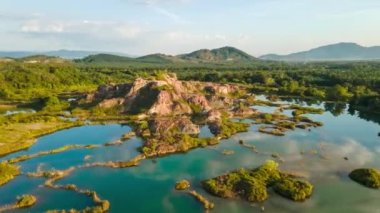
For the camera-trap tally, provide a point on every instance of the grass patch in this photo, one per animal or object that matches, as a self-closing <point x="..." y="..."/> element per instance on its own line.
<point x="8" y="172"/>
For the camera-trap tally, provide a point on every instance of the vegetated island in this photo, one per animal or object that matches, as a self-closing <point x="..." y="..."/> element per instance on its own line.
<point x="24" y="201"/>
<point x="366" y="177"/>
<point x="252" y="185"/>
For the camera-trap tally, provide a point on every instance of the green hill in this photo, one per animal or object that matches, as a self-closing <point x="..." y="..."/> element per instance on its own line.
<point x="105" y="58"/>
<point x="220" y="55"/>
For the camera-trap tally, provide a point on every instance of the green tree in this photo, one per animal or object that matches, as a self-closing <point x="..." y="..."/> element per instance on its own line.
<point x="339" y="93"/>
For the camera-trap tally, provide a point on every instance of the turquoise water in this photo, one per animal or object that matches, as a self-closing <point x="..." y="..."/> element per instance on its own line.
<point x="149" y="187"/>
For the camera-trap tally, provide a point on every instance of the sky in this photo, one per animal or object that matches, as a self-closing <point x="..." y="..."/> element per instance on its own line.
<point x="139" y="27"/>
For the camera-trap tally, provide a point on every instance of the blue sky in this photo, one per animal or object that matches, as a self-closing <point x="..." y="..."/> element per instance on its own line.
<point x="177" y="26"/>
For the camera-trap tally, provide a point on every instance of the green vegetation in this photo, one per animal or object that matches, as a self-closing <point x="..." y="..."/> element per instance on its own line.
<point x="226" y="128"/>
<point x="54" y="151"/>
<point x="20" y="131"/>
<point x="170" y="143"/>
<point x="299" y="110"/>
<point x="296" y="190"/>
<point x="182" y="185"/>
<point x="252" y="184"/>
<point x="366" y="177"/>
<point x="277" y="131"/>
<point x="52" y="104"/>
<point x="26" y="201"/>
<point x="7" y="172"/>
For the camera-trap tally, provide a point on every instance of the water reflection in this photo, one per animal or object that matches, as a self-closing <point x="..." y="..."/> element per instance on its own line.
<point x="325" y="156"/>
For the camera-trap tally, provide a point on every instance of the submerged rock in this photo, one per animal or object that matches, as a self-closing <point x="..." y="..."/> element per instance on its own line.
<point x="366" y="177"/>
<point x="206" y="203"/>
<point x="243" y="111"/>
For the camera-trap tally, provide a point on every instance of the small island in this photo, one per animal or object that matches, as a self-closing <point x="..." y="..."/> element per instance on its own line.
<point x="252" y="185"/>
<point x="182" y="185"/>
<point x="366" y="177"/>
<point x="24" y="201"/>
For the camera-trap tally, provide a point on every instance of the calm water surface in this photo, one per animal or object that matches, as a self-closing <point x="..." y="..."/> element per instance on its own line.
<point x="318" y="155"/>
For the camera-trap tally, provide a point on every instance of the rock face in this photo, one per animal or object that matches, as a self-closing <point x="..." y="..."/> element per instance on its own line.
<point x="170" y="111"/>
<point x="109" y="92"/>
<point x="164" y="95"/>
<point x="243" y="111"/>
<point x="181" y="125"/>
<point x="221" y="89"/>
<point x="109" y="103"/>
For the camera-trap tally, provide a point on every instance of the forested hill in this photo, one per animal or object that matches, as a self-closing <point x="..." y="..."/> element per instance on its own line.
<point x="221" y="56"/>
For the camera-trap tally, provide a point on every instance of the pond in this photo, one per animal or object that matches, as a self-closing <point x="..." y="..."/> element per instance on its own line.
<point x="318" y="154"/>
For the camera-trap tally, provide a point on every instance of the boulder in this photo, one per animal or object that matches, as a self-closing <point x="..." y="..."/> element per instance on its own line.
<point x="162" y="125"/>
<point x="109" y="103"/>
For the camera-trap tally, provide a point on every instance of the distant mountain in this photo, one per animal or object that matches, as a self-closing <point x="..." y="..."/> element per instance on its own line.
<point x="15" y="54"/>
<point x="42" y="59"/>
<point x="333" y="52"/>
<point x="224" y="54"/>
<point x="66" y="54"/>
<point x="105" y="58"/>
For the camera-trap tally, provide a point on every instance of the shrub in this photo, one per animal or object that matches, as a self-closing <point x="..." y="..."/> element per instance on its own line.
<point x="7" y="172"/>
<point x="182" y="185"/>
<point x="296" y="190"/>
<point x="366" y="177"/>
<point x="26" y="201"/>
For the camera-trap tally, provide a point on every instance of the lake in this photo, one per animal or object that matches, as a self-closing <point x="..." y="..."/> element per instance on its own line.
<point x="318" y="154"/>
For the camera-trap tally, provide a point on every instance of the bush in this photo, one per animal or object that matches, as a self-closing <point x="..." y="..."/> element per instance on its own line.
<point x="26" y="201"/>
<point x="7" y="172"/>
<point x="182" y="185"/>
<point x="252" y="184"/>
<point x="366" y="177"/>
<point x="296" y="190"/>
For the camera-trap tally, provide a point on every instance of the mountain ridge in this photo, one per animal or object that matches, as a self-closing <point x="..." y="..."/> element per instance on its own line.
<point x="223" y="55"/>
<point x="343" y="51"/>
<point x="62" y="53"/>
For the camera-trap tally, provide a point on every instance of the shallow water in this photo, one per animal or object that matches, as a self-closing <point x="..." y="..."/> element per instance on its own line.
<point x="318" y="155"/>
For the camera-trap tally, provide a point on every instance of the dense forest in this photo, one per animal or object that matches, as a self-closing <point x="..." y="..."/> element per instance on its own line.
<point x="354" y="82"/>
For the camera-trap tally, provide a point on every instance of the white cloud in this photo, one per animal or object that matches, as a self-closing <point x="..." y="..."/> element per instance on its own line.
<point x="36" y="26"/>
<point x="91" y="28"/>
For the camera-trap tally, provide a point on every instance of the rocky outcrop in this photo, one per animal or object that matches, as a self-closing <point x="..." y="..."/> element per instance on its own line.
<point x="214" y="115"/>
<point x="169" y="103"/>
<point x="223" y="89"/>
<point x="109" y="103"/>
<point x="199" y="101"/>
<point x="105" y="92"/>
<point x="243" y="111"/>
<point x="163" y="95"/>
<point x="162" y="125"/>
